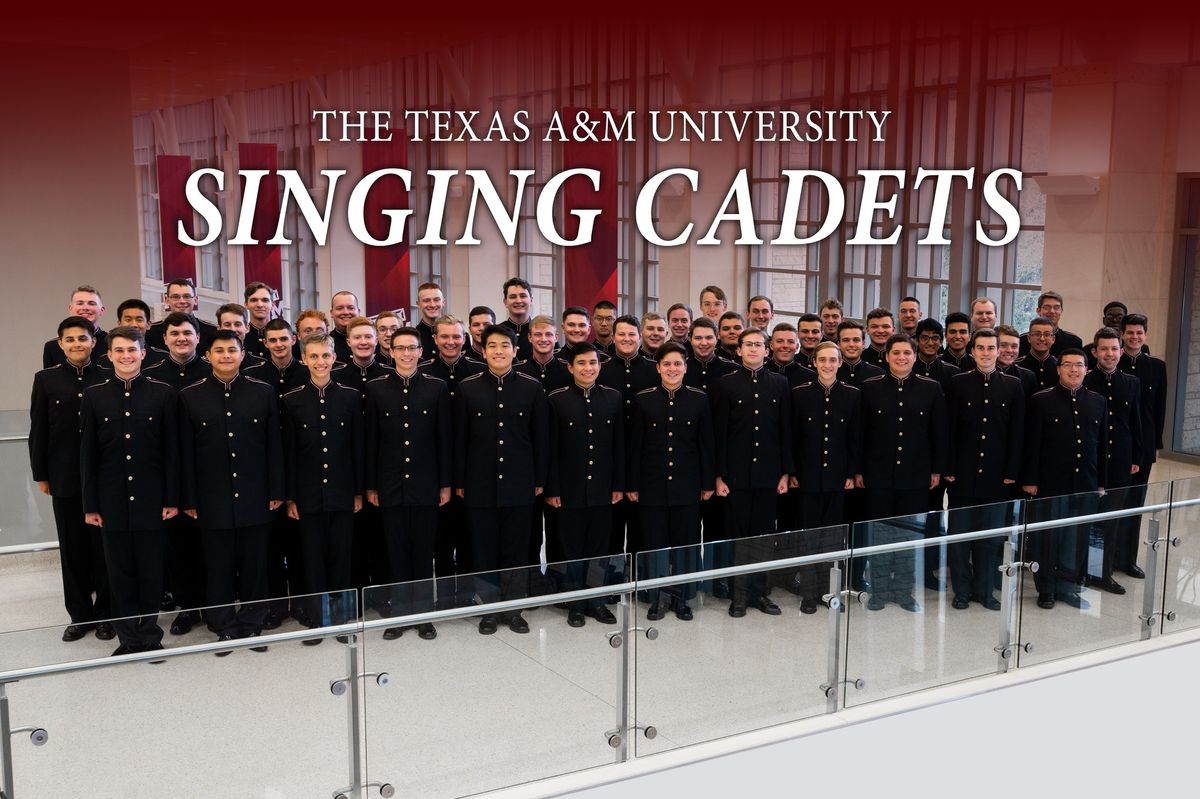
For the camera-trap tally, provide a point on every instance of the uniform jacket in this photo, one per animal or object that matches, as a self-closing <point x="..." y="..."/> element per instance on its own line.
<point x="178" y="376"/>
<point x="1152" y="373"/>
<point x="451" y="374"/>
<point x="501" y="439"/>
<point x="409" y="439"/>
<point x="703" y="374"/>
<point x="553" y="374"/>
<point x="826" y="431"/>
<point x="323" y="445"/>
<point x="672" y="455"/>
<point x="854" y="374"/>
<point x="903" y="432"/>
<point x="987" y="432"/>
<point x="1066" y="451"/>
<point x="587" y="445"/>
<point x="294" y="375"/>
<point x="54" y="424"/>
<point x="1123" y="402"/>
<point x="752" y="427"/>
<point x="796" y="371"/>
<point x="629" y="377"/>
<point x="1044" y="371"/>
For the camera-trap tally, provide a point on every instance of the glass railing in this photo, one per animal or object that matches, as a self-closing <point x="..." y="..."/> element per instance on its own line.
<point x="471" y="683"/>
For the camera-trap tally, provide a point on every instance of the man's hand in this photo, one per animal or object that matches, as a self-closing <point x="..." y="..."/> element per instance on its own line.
<point x="554" y="502"/>
<point x="292" y="511"/>
<point x="793" y="483"/>
<point x="616" y="497"/>
<point x="949" y="478"/>
<point x="858" y="481"/>
<point x="458" y="492"/>
<point x="849" y="483"/>
<point x="1134" y="469"/>
<point x="1030" y="490"/>
<point x="782" y="486"/>
<point x="537" y="491"/>
<point x="44" y="485"/>
<point x="722" y="489"/>
<point x="443" y="495"/>
<point x="632" y="496"/>
<point x="274" y="504"/>
<point x="93" y="519"/>
<point x="706" y="494"/>
<point x="170" y="513"/>
<point x="358" y="502"/>
<point x="191" y="512"/>
<point x="934" y="479"/>
<point x="373" y="497"/>
<point x="1008" y="482"/>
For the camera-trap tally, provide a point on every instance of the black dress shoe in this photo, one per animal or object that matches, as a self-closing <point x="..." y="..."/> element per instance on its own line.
<point x="909" y="604"/>
<point x="875" y="603"/>
<point x="184" y="623"/>
<point x="426" y="631"/>
<point x="656" y="612"/>
<point x="991" y="603"/>
<point x="767" y="606"/>
<point x="74" y="632"/>
<point x="262" y="648"/>
<point x="575" y="618"/>
<point x="1045" y="602"/>
<point x="683" y="612"/>
<point x="960" y="603"/>
<point x="123" y="650"/>
<point x="343" y="639"/>
<point x="612" y="599"/>
<point x="720" y="589"/>
<point x="517" y="623"/>
<point x="154" y="648"/>
<point x="167" y="603"/>
<point x="487" y="625"/>
<point x="1110" y="585"/>
<point x="272" y="621"/>
<point x="737" y="611"/>
<point x="602" y="614"/>
<point x="312" y="641"/>
<point x="1134" y="571"/>
<point x="224" y="652"/>
<point x="934" y="584"/>
<point x="105" y="631"/>
<point x="392" y="633"/>
<point x="808" y="606"/>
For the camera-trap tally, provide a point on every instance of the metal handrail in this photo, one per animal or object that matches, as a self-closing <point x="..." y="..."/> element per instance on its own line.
<point x="21" y="549"/>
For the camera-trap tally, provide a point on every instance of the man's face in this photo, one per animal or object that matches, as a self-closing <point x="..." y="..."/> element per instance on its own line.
<point x="958" y="335"/>
<point x="181" y="298"/>
<point x="585" y="368"/>
<point x="1113" y="316"/>
<point x="810" y="335"/>
<point x="880" y="330"/>
<point x="450" y="340"/>
<point x="910" y="314"/>
<point x="730" y="330"/>
<point x="760" y="314"/>
<point x="929" y="343"/>
<point x="784" y="344"/>
<point x="704" y="342"/>
<point x="626" y="339"/>
<point x="654" y="333"/>
<point x="1051" y="309"/>
<point x="671" y="369"/>
<point x="86" y="304"/>
<point x="1134" y="337"/>
<point x="576" y="329"/>
<point x="260" y="306"/>
<point x="827" y="362"/>
<point x="985" y="351"/>
<point x="406" y="352"/>
<point x="1010" y="350"/>
<point x="983" y="315"/>
<point x="900" y="358"/>
<point x="182" y="341"/>
<point x="235" y="322"/>
<point x="309" y="325"/>
<point x="362" y="342"/>
<point x="1108" y="353"/>
<point x="77" y="343"/>
<point x="851" y="342"/>
<point x="126" y="356"/>
<point x="753" y="351"/>
<point x="679" y="320"/>
<point x="279" y="344"/>
<point x="431" y="302"/>
<point x="385" y="328"/>
<point x="517" y="300"/>
<point x="477" y="324"/>
<point x="602" y="319"/>
<point x="134" y="317"/>
<point x="1041" y="338"/>
<point x="343" y="309"/>
<point x="226" y="357"/>
<point x="830" y="319"/>
<point x="542" y="339"/>
<point x="319" y="358"/>
<point x="498" y="351"/>
<point x="712" y="307"/>
<point x="1071" y="371"/>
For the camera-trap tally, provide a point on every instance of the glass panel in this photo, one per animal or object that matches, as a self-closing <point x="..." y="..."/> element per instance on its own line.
<point x="471" y="712"/>
<point x="928" y="616"/>
<point x="756" y="669"/>
<point x="268" y="717"/>
<point x="1180" y="586"/>
<point x="26" y="515"/>
<point x="1082" y="597"/>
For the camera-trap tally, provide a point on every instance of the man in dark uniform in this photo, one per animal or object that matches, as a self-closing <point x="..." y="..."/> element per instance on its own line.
<point x="759" y="313"/>
<point x="1066" y="453"/>
<point x="235" y="317"/>
<point x="54" y="460"/>
<point x="479" y="319"/>
<point x="654" y="333"/>
<point x="409" y="438"/>
<point x="937" y="367"/>
<point x="825" y="440"/>
<point x="311" y="321"/>
<point x="232" y="479"/>
<point x="784" y="357"/>
<point x="1152" y="373"/>
<point x="543" y="363"/>
<point x="880" y="327"/>
<point x="850" y="339"/>
<point x="518" y="299"/>
<point x="1123" y="399"/>
<point x="808" y="332"/>
<point x="181" y="298"/>
<point x="362" y="366"/>
<point x="704" y="365"/>
<point x="729" y="327"/>
<point x="501" y="441"/>
<point x="909" y="311"/>
<point x="902" y="459"/>
<point x="262" y="303"/>
<point x="831" y="317"/>
<point x="672" y="470"/>
<point x="929" y="363"/>
<point x="604" y="313"/>
<point x="958" y="341"/>
<point x="1050" y="307"/>
<point x="577" y="328"/>
<point x="282" y="369"/>
<point x="323" y="445"/>
<point x="431" y="305"/>
<point x="1010" y="351"/>
<point x="987" y="429"/>
<point x="1039" y="359"/>
<point x="753" y="432"/>
<point x="983" y="313"/>
<point x="129" y="460"/>
<point x="586" y="475"/>
<point x="135" y="313"/>
<point x="86" y="303"/>
<point x="343" y="308"/>
<point x="679" y="321"/>
<point x="386" y="325"/>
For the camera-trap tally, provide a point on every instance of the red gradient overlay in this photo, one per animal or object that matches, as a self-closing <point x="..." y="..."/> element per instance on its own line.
<point x="178" y="259"/>
<point x="590" y="269"/>
<point x="385" y="268"/>
<point x="262" y="260"/>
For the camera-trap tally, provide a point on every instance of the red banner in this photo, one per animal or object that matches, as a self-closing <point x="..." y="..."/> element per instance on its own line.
<point x="385" y="268"/>
<point x="590" y="273"/>
<point x="178" y="259"/>
<point x="262" y="260"/>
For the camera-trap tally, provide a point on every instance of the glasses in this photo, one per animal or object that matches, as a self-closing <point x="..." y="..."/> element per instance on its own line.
<point x="181" y="296"/>
<point x="930" y="339"/>
<point x="752" y="345"/>
<point x="1041" y="335"/>
<point x="406" y="347"/>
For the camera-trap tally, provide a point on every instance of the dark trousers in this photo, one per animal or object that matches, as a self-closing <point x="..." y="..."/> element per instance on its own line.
<point x="543" y="529"/>
<point x="81" y="553"/>
<point x="409" y="533"/>
<point x="368" y="559"/>
<point x="818" y="516"/>
<point x="893" y="573"/>
<point x="185" y="561"/>
<point x="935" y="557"/>
<point x="974" y="565"/>
<point x="135" y="578"/>
<point x="235" y="561"/>
<point x="326" y="543"/>
<point x="500" y="541"/>
<point x="854" y="511"/>
<point x="284" y="575"/>
<point x="581" y="540"/>
<point x="717" y="554"/>
<point x="1127" y="540"/>
<point x="677" y="527"/>
<point x="1116" y="498"/>
<point x="749" y="512"/>
<point x="1062" y="553"/>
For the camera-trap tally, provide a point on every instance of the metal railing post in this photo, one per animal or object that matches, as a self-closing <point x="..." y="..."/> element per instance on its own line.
<point x="8" y="791"/>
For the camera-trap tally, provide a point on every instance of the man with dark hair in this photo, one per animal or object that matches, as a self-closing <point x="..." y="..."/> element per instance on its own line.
<point x="518" y="301"/>
<point x="910" y="313"/>
<point x="262" y="303"/>
<point x="129" y="461"/>
<point x="851" y="338"/>
<point x="500" y="462"/>
<point x="831" y="316"/>
<point x="386" y="325"/>
<point x="281" y="369"/>
<point x="671" y="471"/>
<point x="604" y="313"/>
<point x="880" y="327"/>
<point x="785" y="355"/>
<point x="1152" y="373"/>
<point x="760" y="311"/>
<point x="958" y="340"/>
<point x="679" y="321"/>
<point x="343" y="308"/>
<point x="929" y="345"/>
<point x="54" y="459"/>
<point x="135" y="313"/>
<point x="1062" y="460"/>
<point x="232" y="480"/>
<point x="1050" y="307"/>
<point x="85" y="302"/>
<point x="713" y="302"/>
<point x="1038" y="358"/>
<point x="577" y="328"/>
<point x="180" y="298"/>
<point x="236" y="317"/>
<point x="431" y="305"/>
<point x="1114" y="313"/>
<point x="705" y="365"/>
<point x="729" y="328"/>
<point x="478" y="320"/>
<point x="808" y="331"/>
<point x="1006" y="362"/>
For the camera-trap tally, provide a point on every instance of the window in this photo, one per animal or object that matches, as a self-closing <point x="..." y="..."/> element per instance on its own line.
<point x="1186" y="372"/>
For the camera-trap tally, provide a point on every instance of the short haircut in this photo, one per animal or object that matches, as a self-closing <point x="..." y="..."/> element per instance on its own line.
<point x="277" y="324"/>
<point x="574" y="310"/>
<point x="751" y="331"/>
<point x="1049" y="295"/>
<point x="627" y="319"/>
<point x="1102" y="333"/>
<point x="784" y="327"/>
<point x="313" y="313"/>
<point x="127" y="332"/>
<point x="957" y="317"/>
<point x="133" y="303"/>
<point x="978" y="300"/>
<point x="575" y="350"/>
<point x="359" y="321"/>
<point x="1135" y="319"/>
<point x="849" y="324"/>
<point x="930" y="325"/>
<point x="407" y="330"/>
<point x="1072" y="351"/>
<point x="177" y="319"/>
<point x="225" y="335"/>
<point x="516" y="281"/>
<point x="180" y="281"/>
<point x="716" y="291"/>
<point x="480" y="310"/>
<point x="1117" y="304"/>
<point x="446" y="319"/>
<point x="652" y="316"/>
<point x="760" y="298"/>
<point x="984" y="332"/>
<point x="337" y="294"/>
<point x="604" y="305"/>
<point x="255" y="286"/>
<point x="880" y="313"/>
<point x="732" y="315"/>
<point x="85" y="289"/>
<point x="704" y="322"/>
<point x="498" y="330"/>
<point x="541" y="320"/>
<point x="897" y="338"/>
<point x="826" y="345"/>
<point x="811" y="318"/>
<point x="386" y="315"/>
<point x="1007" y="330"/>
<point x="1040" y="320"/>
<point x="667" y="349"/>
<point x="427" y="286"/>
<point x="75" y="321"/>
<point x="832" y="302"/>
<point x="911" y="299"/>
<point x="680" y="306"/>
<point x="233" y="307"/>
<point x="320" y="339"/>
